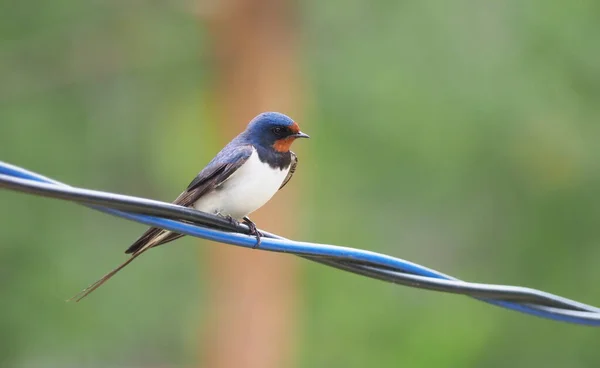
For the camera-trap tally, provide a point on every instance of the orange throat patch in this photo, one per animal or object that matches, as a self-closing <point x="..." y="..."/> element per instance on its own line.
<point x="283" y="145"/>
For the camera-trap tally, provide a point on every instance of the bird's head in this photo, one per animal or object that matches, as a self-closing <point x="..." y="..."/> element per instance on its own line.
<point x="274" y="130"/>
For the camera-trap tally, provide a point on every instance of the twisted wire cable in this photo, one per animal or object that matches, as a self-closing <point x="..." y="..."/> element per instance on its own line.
<point x="191" y="222"/>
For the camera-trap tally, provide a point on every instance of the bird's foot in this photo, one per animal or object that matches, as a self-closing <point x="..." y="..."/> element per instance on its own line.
<point x="253" y="231"/>
<point x="228" y="218"/>
<point x="231" y="220"/>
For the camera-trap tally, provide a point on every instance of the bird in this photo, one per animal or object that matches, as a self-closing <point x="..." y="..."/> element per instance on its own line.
<point x="240" y="179"/>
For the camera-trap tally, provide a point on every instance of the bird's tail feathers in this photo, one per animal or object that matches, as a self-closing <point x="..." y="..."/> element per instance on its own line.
<point x="155" y="235"/>
<point x="88" y="290"/>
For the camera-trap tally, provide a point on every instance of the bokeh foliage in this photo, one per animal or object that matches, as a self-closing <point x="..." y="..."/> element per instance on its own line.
<point x="462" y="135"/>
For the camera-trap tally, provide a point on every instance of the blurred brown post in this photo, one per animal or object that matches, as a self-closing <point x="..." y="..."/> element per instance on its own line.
<point x="252" y="294"/>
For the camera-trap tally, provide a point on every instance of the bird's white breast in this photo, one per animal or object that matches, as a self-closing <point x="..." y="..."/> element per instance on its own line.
<point x="245" y="191"/>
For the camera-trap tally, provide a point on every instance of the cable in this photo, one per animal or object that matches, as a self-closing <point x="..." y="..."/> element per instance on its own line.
<point x="370" y="264"/>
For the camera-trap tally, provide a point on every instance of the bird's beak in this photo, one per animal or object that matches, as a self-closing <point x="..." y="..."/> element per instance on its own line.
<point x="300" y="135"/>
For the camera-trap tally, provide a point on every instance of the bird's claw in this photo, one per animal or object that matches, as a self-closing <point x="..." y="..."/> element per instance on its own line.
<point x="253" y="231"/>
<point x="231" y="220"/>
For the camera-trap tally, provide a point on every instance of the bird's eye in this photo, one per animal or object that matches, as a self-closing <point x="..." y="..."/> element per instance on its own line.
<point x="278" y="131"/>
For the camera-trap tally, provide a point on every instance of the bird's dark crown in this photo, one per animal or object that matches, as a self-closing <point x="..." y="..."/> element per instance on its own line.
<point x="273" y="130"/>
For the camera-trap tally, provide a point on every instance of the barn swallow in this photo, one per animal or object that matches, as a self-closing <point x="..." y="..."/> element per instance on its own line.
<point x="240" y="179"/>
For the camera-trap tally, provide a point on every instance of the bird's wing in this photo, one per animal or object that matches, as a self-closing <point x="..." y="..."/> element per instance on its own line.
<point x="293" y="165"/>
<point x="213" y="175"/>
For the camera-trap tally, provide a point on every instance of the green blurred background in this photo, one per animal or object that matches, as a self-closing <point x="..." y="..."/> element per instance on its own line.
<point x="462" y="136"/>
